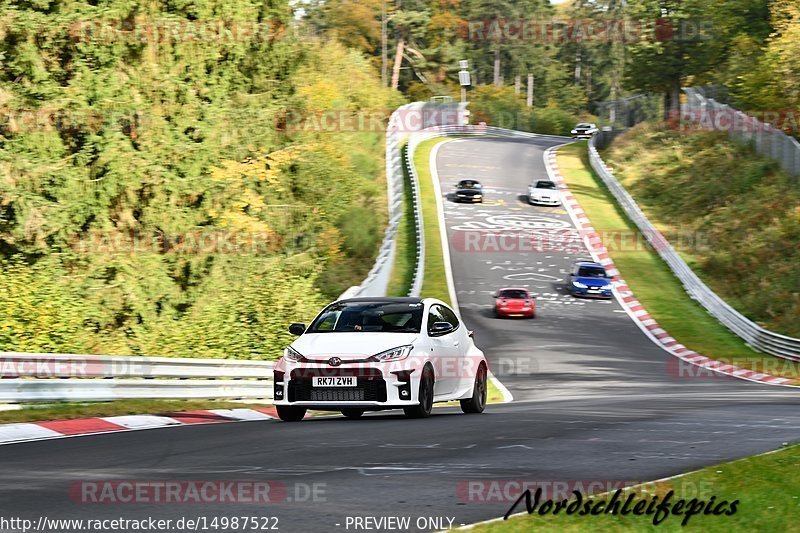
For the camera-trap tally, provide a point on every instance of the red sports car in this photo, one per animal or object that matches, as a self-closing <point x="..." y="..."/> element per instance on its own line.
<point x="514" y="303"/>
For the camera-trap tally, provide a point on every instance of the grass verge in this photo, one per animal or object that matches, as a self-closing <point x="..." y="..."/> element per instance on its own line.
<point x="69" y="411"/>
<point x="434" y="283"/>
<point x="405" y="247"/>
<point x="651" y="280"/>
<point x="765" y="486"/>
<point x="733" y="214"/>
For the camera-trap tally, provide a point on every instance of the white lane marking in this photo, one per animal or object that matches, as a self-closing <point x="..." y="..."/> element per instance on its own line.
<point x="531" y="276"/>
<point x="451" y="288"/>
<point x="437" y="192"/>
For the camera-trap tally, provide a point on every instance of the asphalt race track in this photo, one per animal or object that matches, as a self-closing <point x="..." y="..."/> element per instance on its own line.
<point x="594" y="400"/>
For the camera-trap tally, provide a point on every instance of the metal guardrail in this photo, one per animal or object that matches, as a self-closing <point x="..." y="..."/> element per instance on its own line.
<point x="28" y="377"/>
<point x="768" y="140"/>
<point x="753" y="334"/>
<point x="403" y="121"/>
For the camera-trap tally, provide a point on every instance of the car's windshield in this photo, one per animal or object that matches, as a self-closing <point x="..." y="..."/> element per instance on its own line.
<point x="583" y="126"/>
<point x="513" y="294"/>
<point x="468" y="184"/>
<point x="545" y="185"/>
<point x="591" y="272"/>
<point x="369" y="317"/>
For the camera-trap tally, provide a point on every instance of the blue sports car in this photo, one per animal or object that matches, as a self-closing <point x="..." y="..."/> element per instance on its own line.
<point x="590" y="279"/>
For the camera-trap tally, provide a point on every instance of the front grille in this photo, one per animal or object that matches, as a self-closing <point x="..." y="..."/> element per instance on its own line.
<point x="370" y="386"/>
<point x="336" y="395"/>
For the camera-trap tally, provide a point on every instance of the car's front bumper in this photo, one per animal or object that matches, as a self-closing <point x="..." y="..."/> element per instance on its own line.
<point x="378" y="386"/>
<point x="469" y="199"/>
<point x="586" y="292"/>
<point x="541" y="201"/>
<point x="515" y="312"/>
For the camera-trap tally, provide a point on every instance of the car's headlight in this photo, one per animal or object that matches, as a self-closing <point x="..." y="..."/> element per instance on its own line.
<point x="290" y="354"/>
<point x="395" y="354"/>
<point x="503" y="303"/>
<point x="579" y="284"/>
<point x="574" y="131"/>
<point x="607" y="287"/>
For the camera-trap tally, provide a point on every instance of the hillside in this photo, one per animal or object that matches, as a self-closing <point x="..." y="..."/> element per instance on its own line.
<point x="734" y="214"/>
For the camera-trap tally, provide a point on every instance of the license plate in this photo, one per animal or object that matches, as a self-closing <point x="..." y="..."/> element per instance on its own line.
<point x="515" y="314"/>
<point x="336" y="381"/>
<point x="476" y="199"/>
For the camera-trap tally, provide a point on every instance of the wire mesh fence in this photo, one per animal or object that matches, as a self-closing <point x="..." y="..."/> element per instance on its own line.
<point x="707" y="113"/>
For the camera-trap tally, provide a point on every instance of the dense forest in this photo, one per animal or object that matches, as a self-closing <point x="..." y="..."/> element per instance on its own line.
<point x="579" y="53"/>
<point x="151" y="202"/>
<point x="156" y="196"/>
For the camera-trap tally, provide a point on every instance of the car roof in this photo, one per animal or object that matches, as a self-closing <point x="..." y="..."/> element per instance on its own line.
<point x="384" y="299"/>
<point x="589" y="263"/>
<point x="513" y="289"/>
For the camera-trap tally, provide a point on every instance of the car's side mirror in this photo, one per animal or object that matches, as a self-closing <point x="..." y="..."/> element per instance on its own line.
<point x="440" y="328"/>
<point x="470" y="334"/>
<point x="297" y="328"/>
<point x="494" y="295"/>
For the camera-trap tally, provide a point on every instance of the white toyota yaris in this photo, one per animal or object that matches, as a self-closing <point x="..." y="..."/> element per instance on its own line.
<point x="369" y="354"/>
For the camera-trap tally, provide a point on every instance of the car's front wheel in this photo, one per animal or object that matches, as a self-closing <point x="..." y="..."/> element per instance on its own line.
<point x="423" y="410"/>
<point x="353" y="413"/>
<point x="477" y="403"/>
<point x="289" y="413"/>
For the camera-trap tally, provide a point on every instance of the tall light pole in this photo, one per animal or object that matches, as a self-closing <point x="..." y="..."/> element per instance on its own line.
<point x="384" y="45"/>
<point x="464" y="78"/>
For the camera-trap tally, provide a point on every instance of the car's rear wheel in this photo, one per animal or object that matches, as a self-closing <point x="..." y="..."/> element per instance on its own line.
<point x="289" y="413"/>
<point x="425" y="396"/>
<point x="353" y="413"/>
<point x="477" y="403"/>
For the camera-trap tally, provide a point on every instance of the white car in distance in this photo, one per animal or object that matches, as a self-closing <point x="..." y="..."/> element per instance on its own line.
<point x="370" y="354"/>
<point x="584" y="130"/>
<point x="544" y="192"/>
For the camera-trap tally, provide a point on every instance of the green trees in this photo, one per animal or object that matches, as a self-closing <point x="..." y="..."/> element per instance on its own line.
<point x="765" y="75"/>
<point x="153" y="198"/>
